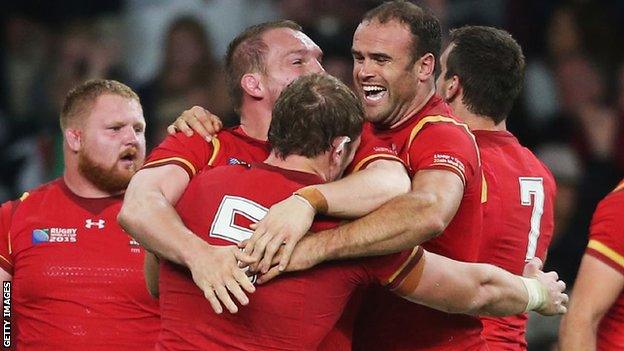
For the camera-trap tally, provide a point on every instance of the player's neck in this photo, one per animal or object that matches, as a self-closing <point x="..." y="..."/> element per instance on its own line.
<point x="317" y="165"/>
<point x="424" y="92"/>
<point x="78" y="184"/>
<point x="255" y="120"/>
<point x="476" y="121"/>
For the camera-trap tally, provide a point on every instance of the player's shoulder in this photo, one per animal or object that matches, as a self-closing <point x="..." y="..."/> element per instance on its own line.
<point x="52" y="187"/>
<point x="442" y="126"/>
<point x="607" y="218"/>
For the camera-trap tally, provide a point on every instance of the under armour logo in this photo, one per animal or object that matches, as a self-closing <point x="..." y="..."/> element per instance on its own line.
<point x="90" y="223"/>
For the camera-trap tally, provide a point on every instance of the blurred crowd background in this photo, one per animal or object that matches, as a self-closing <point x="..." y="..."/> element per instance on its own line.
<point x="571" y="112"/>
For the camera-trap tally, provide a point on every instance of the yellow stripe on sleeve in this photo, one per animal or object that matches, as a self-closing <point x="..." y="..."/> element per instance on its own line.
<point x="433" y="119"/>
<point x="216" y="146"/>
<point x="371" y="157"/>
<point x="607" y="251"/>
<point x="170" y="159"/>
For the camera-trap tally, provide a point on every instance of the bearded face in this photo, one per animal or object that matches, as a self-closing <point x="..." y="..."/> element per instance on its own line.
<point x="112" y="143"/>
<point x="111" y="178"/>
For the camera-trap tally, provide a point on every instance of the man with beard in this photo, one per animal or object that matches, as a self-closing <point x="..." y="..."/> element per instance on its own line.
<point x="77" y="277"/>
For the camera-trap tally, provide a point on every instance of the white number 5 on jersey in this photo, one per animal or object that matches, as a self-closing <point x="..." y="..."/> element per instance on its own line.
<point x="223" y="226"/>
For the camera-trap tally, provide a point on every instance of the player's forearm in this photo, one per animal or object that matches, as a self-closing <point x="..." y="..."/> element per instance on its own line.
<point x="578" y="332"/>
<point x="364" y="191"/>
<point x="149" y="218"/>
<point x="402" y="223"/>
<point x="499" y="293"/>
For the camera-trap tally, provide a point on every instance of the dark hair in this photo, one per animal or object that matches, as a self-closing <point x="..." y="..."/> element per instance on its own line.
<point x="424" y="26"/>
<point x="490" y="67"/>
<point x="246" y="53"/>
<point x="79" y="101"/>
<point x="311" y="112"/>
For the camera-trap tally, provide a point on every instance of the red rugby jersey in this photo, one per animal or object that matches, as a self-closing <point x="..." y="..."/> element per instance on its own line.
<point x="431" y="139"/>
<point x="77" y="276"/>
<point x="193" y="153"/>
<point x="518" y="220"/>
<point x="606" y="243"/>
<point x="293" y="312"/>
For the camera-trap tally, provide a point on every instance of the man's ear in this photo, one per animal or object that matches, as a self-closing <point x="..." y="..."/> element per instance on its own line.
<point x="339" y="148"/>
<point x="73" y="138"/>
<point x="252" y="85"/>
<point x="425" y="67"/>
<point x="453" y="89"/>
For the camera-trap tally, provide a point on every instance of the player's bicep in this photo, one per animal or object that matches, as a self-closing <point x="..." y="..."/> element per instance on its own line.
<point x="441" y="283"/>
<point x="444" y="188"/>
<point x="597" y="287"/>
<point x="168" y="180"/>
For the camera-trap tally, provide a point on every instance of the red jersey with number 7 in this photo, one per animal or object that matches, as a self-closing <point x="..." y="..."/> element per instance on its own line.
<point x="518" y="221"/>
<point x="293" y="312"/>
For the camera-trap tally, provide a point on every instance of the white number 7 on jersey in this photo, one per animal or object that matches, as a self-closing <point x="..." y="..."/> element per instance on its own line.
<point x="532" y="193"/>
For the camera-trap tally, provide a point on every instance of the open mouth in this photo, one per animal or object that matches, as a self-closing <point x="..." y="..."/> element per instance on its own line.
<point x="128" y="155"/>
<point x="374" y="92"/>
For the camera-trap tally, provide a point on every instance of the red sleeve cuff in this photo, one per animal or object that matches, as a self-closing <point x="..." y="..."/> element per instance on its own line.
<point x="606" y="255"/>
<point x="178" y="161"/>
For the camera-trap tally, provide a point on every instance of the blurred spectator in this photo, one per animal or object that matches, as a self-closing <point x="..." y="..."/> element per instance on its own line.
<point x="190" y="75"/>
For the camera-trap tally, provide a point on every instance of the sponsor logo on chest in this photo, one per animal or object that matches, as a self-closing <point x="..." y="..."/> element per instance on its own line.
<point x="99" y="224"/>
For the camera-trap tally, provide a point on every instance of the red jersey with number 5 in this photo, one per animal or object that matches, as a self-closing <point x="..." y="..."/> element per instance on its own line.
<point x="293" y="312"/>
<point x="518" y="220"/>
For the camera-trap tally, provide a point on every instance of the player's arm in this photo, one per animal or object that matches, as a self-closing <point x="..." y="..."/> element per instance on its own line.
<point x="596" y="289"/>
<point x="353" y="196"/>
<point x="148" y="215"/>
<point x="6" y="217"/>
<point x="402" y="223"/>
<point x="5" y="276"/>
<point x="482" y="289"/>
<point x="150" y="271"/>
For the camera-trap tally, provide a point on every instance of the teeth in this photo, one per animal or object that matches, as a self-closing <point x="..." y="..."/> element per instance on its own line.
<point x="373" y="89"/>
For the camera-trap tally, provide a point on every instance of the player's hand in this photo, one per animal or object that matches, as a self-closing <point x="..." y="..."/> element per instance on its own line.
<point x="281" y="229"/>
<point x="216" y="272"/>
<point x="196" y="119"/>
<point x="556" y="301"/>
<point x="306" y="254"/>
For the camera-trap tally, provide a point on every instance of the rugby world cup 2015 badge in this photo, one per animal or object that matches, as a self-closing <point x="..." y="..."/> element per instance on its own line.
<point x="54" y="235"/>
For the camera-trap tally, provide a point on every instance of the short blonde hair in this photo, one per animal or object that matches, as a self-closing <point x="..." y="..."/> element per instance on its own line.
<point x="81" y="98"/>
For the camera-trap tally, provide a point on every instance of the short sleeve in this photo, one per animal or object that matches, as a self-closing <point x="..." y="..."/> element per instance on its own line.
<point x="191" y="153"/>
<point x="445" y="146"/>
<point x="391" y="270"/>
<point x="6" y="216"/>
<point x="606" y="237"/>
<point x="371" y="149"/>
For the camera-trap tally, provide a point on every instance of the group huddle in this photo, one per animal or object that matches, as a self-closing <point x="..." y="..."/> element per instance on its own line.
<point x="397" y="215"/>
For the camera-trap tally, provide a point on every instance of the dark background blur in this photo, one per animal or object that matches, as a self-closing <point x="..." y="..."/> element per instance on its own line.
<point x="571" y="112"/>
